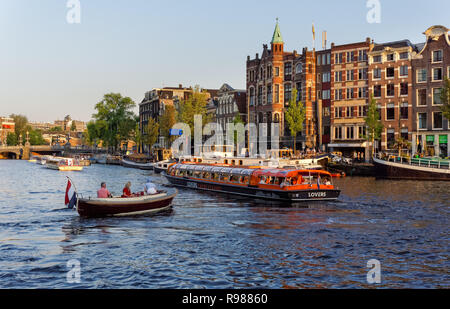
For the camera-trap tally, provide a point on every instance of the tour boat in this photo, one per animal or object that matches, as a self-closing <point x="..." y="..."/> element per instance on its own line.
<point x="143" y="165"/>
<point x="393" y="167"/>
<point x="117" y="206"/>
<point x="63" y="164"/>
<point x="272" y="184"/>
<point x="162" y="166"/>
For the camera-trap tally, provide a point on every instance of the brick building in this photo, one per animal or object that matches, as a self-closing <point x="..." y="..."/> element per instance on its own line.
<point x="349" y="98"/>
<point x="230" y="103"/>
<point x="390" y="82"/>
<point x="270" y="81"/>
<point x="431" y="131"/>
<point x="7" y="125"/>
<point x="323" y="91"/>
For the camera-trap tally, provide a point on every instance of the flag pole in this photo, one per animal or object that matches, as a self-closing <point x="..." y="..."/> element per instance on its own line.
<point x="75" y="187"/>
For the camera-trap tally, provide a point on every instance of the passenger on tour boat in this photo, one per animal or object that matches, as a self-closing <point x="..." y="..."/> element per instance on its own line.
<point x="150" y="188"/>
<point x="103" y="192"/>
<point x="127" y="190"/>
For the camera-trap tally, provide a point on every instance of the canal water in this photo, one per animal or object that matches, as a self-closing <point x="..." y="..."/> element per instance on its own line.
<point x="220" y="241"/>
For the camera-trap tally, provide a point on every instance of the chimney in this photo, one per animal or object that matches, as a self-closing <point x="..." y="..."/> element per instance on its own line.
<point x="180" y="86"/>
<point x="257" y="56"/>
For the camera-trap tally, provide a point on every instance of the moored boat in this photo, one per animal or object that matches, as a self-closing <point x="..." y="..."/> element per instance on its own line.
<point x="117" y="206"/>
<point x="393" y="167"/>
<point x="162" y="166"/>
<point x="63" y="164"/>
<point x="142" y="164"/>
<point x="272" y="184"/>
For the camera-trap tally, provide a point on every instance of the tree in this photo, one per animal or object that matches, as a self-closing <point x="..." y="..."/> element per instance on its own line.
<point x="166" y="122"/>
<point x="21" y="123"/>
<point x="56" y="130"/>
<point x="373" y="123"/>
<point x="400" y="144"/>
<point x="36" y="137"/>
<point x="96" y="130"/>
<point x="194" y="105"/>
<point x="445" y="98"/>
<point x="295" y="117"/>
<point x="116" y="112"/>
<point x="73" y="127"/>
<point x="11" y="139"/>
<point x="151" y="132"/>
<point x="238" y="120"/>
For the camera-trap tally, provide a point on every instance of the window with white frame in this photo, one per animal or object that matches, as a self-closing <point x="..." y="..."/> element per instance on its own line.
<point x="390" y="72"/>
<point x="404" y="71"/>
<point x="404" y="55"/>
<point x="437" y="56"/>
<point x="437" y="74"/>
<point x="437" y="96"/>
<point x="422" y="75"/>
<point x="422" y="120"/>
<point x="377" y="73"/>
<point x="437" y="120"/>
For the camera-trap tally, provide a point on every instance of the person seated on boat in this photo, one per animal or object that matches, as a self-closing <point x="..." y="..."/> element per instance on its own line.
<point x="263" y="181"/>
<point x="103" y="192"/>
<point x="127" y="190"/>
<point x="286" y="182"/>
<point x="327" y="182"/>
<point x="150" y="188"/>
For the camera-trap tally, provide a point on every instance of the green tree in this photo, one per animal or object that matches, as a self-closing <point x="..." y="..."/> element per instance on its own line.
<point x="373" y="124"/>
<point x="11" y="139"/>
<point x="21" y="123"/>
<point x="194" y="105"/>
<point x="400" y="144"/>
<point x="445" y="98"/>
<point x="116" y="112"/>
<point x="295" y="117"/>
<point x="151" y="132"/>
<point x="36" y="137"/>
<point x="55" y="130"/>
<point x="237" y="120"/>
<point x="96" y="130"/>
<point x="166" y="122"/>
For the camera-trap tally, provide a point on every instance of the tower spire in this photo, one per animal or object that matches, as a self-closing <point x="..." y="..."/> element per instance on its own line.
<point x="277" y="38"/>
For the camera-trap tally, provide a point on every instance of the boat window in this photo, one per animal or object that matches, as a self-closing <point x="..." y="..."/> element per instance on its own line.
<point x="224" y="177"/>
<point x="200" y="160"/>
<point x="226" y="161"/>
<point x="233" y="162"/>
<point x="241" y="162"/>
<point x="197" y="174"/>
<point x="244" y="179"/>
<point x="216" y="176"/>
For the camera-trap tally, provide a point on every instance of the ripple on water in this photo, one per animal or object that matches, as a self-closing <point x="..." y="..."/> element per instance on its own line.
<point x="218" y="241"/>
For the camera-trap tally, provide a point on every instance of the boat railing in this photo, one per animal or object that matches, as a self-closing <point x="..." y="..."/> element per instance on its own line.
<point x="421" y="162"/>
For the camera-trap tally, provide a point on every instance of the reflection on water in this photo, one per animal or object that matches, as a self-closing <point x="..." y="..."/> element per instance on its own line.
<point x="220" y="241"/>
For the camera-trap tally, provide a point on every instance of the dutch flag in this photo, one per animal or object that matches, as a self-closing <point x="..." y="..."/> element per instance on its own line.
<point x="71" y="195"/>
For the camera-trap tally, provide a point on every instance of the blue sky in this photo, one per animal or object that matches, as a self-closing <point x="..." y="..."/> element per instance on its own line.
<point x="49" y="68"/>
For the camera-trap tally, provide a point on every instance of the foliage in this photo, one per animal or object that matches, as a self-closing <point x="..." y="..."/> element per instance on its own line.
<point x="373" y="123"/>
<point x="445" y="98"/>
<point x="194" y="105"/>
<point x="400" y="144"/>
<point x="21" y="123"/>
<point x="151" y="132"/>
<point x="57" y="129"/>
<point x="166" y="122"/>
<point x="36" y="138"/>
<point x="295" y="116"/>
<point x="238" y="120"/>
<point x="73" y="127"/>
<point x="96" y="130"/>
<point x="11" y="139"/>
<point x="116" y="112"/>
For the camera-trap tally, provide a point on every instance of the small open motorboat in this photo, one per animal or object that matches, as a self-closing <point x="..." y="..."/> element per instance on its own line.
<point x="117" y="206"/>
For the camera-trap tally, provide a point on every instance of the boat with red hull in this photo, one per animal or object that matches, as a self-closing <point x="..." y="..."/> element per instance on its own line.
<point x="118" y="206"/>
<point x="271" y="184"/>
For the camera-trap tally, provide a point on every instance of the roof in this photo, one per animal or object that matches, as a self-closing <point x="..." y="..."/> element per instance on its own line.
<point x="396" y="44"/>
<point x="277" y="38"/>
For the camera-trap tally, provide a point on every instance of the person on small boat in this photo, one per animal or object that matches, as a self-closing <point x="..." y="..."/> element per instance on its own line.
<point x="150" y="188"/>
<point x="103" y="192"/>
<point x="127" y="190"/>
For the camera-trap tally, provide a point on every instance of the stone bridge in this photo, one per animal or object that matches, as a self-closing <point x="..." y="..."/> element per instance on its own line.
<point x="23" y="152"/>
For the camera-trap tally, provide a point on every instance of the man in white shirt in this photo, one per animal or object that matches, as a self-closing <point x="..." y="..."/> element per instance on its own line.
<point x="150" y="188"/>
